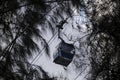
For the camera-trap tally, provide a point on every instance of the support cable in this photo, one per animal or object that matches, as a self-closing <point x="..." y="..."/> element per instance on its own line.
<point x="59" y="27"/>
<point x="39" y="54"/>
<point x="81" y="72"/>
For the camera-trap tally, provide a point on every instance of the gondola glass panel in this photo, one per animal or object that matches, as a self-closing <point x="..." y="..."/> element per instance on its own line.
<point x="64" y="54"/>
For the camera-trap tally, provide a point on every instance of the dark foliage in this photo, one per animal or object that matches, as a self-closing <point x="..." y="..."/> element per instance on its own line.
<point x="105" y="39"/>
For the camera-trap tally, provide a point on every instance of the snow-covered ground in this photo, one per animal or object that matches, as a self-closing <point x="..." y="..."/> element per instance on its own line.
<point x="71" y="33"/>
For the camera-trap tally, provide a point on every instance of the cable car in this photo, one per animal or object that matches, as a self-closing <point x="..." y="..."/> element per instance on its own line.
<point x="65" y="54"/>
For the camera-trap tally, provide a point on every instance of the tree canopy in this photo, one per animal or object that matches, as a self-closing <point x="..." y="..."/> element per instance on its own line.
<point x="20" y="23"/>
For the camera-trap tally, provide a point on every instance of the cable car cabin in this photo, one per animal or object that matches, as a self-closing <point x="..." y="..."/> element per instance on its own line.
<point x="65" y="54"/>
